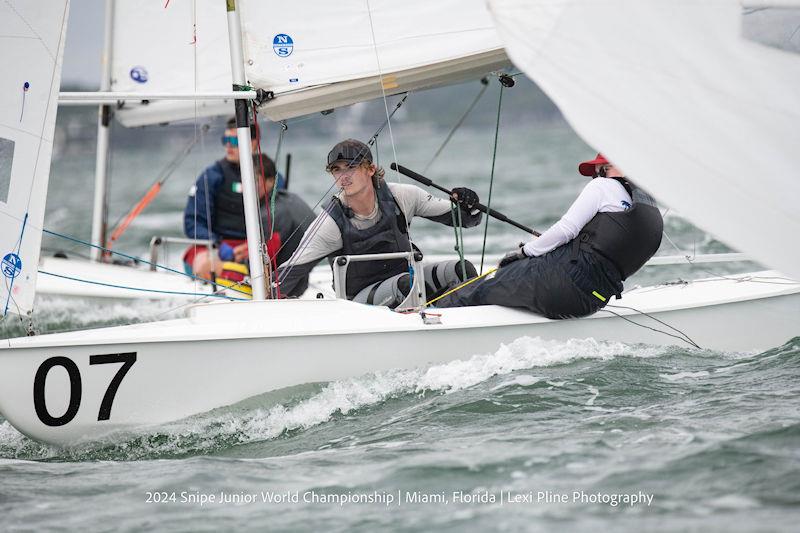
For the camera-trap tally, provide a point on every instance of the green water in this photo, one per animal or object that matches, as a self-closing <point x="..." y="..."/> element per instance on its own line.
<point x="709" y="440"/>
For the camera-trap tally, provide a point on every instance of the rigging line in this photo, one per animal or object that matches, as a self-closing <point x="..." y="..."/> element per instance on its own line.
<point x="141" y="289"/>
<point x="374" y="138"/>
<point x="258" y="175"/>
<point x="485" y="85"/>
<point x="10" y="286"/>
<point x="131" y="257"/>
<point x="383" y="85"/>
<point x="689" y="339"/>
<point x="455" y="215"/>
<point x="491" y="176"/>
<point x="305" y="242"/>
<point x="155" y="187"/>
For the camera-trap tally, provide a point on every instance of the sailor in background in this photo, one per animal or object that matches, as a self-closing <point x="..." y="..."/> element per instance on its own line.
<point x="371" y="216"/>
<point x="215" y="208"/>
<point x="572" y="270"/>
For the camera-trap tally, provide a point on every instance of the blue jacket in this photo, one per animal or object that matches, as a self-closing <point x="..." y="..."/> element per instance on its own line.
<point x="200" y="205"/>
<point x="198" y="215"/>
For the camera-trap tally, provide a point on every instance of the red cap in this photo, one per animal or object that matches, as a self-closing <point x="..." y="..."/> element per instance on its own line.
<point x="587" y="167"/>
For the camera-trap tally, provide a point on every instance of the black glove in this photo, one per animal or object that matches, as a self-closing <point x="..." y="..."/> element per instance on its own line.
<point x="513" y="255"/>
<point x="466" y="198"/>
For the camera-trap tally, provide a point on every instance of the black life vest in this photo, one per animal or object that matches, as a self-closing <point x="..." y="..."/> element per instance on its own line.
<point x="228" y="215"/>
<point x="389" y="234"/>
<point x="627" y="239"/>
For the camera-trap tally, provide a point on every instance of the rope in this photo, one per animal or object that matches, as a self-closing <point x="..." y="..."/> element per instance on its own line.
<point x="491" y="177"/>
<point x="125" y="220"/>
<point x="459" y="287"/>
<point x="455" y="212"/>
<point x="91" y="282"/>
<point x="131" y="257"/>
<point x="485" y="83"/>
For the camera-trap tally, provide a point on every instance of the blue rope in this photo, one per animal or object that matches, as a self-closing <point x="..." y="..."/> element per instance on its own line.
<point x="134" y="258"/>
<point x="140" y="289"/>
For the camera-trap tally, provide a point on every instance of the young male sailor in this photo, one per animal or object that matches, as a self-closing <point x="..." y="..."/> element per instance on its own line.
<point x="608" y="233"/>
<point x="371" y="216"/>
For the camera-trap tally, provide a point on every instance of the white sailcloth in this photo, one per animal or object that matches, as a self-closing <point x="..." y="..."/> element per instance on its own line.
<point x="312" y="55"/>
<point x="33" y="35"/>
<point x="672" y="92"/>
<point x="190" y="54"/>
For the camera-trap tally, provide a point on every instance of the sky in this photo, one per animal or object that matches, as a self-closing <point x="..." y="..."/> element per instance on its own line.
<point x="84" y="47"/>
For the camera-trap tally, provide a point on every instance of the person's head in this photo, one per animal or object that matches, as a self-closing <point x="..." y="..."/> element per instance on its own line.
<point x="600" y="167"/>
<point x="350" y="164"/>
<point x="231" y="142"/>
<point x="265" y="172"/>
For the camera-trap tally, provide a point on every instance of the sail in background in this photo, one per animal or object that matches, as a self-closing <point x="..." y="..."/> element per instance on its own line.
<point x="702" y="116"/>
<point x="33" y="36"/>
<point x="313" y="56"/>
<point x="189" y="54"/>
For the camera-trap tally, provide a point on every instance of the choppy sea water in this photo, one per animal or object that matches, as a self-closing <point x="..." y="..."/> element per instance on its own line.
<point x="579" y="435"/>
<point x="573" y="432"/>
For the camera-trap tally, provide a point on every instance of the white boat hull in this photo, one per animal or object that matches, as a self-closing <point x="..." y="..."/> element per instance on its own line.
<point x="225" y="352"/>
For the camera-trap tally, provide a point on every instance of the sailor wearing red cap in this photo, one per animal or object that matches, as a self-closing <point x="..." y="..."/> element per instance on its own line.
<point x="572" y="270"/>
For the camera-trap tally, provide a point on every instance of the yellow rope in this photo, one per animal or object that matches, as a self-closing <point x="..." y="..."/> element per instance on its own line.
<point x="454" y="289"/>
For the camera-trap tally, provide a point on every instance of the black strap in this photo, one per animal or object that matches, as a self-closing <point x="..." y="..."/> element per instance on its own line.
<point x="372" y="291"/>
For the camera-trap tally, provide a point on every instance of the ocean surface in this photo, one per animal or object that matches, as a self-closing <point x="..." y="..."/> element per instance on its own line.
<point x="535" y="435"/>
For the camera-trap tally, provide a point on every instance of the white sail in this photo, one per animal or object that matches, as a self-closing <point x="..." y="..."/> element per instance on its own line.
<point x="320" y="55"/>
<point x="188" y="54"/>
<point x="312" y="55"/>
<point x="33" y="35"/>
<point x="672" y="92"/>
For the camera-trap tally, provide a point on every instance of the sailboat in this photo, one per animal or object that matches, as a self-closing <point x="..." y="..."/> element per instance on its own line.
<point x="86" y="385"/>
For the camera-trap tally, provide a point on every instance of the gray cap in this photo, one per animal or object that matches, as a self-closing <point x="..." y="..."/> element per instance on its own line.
<point x="350" y="150"/>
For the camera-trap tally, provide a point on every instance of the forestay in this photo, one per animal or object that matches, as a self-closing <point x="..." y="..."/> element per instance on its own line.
<point x="700" y="114"/>
<point x="313" y="56"/>
<point x="32" y="34"/>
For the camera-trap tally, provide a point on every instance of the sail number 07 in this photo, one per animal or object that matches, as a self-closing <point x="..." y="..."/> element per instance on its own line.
<point x="76" y="386"/>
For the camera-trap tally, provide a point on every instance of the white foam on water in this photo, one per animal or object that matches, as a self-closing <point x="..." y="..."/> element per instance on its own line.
<point x="524" y="380"/>
<point x="345" y="396"/>
<point x="684" y="375"/>
<point x="595" y="392"/>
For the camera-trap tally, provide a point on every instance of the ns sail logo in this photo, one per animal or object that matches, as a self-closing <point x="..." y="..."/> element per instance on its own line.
<point x="282" y="45"/>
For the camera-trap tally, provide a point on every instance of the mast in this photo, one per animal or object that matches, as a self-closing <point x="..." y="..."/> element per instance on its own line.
<point x="251" y="211"/>
<point x="103" y="135"/>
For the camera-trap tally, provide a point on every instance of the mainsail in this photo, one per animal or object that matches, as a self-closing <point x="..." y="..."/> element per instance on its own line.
<point x="674" y="94"/>
<point x="33" y="45"/>
<point x="312" y="56"/>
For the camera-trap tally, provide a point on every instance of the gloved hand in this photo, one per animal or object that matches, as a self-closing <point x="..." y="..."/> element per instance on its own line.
<point x="225" y="251"/>
<point x="466" y="198"/>
<point x="513" y="255"/>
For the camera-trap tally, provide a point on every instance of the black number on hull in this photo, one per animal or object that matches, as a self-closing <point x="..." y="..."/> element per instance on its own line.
<point x="75" y="390"/>
<point x="127" y="359"/>
<point x="76" y="387"/>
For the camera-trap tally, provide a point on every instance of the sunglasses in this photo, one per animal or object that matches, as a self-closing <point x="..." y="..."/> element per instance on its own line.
<point x="230" y="139"/>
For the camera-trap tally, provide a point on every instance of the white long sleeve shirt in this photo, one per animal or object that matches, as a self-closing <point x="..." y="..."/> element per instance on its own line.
<point x="601" y="195"/>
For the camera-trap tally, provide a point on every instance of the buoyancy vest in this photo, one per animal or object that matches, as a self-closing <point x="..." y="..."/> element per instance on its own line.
<point x="228" y="215"/>
<point x="628" y="238"/>
<point x="389" y="234"/>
